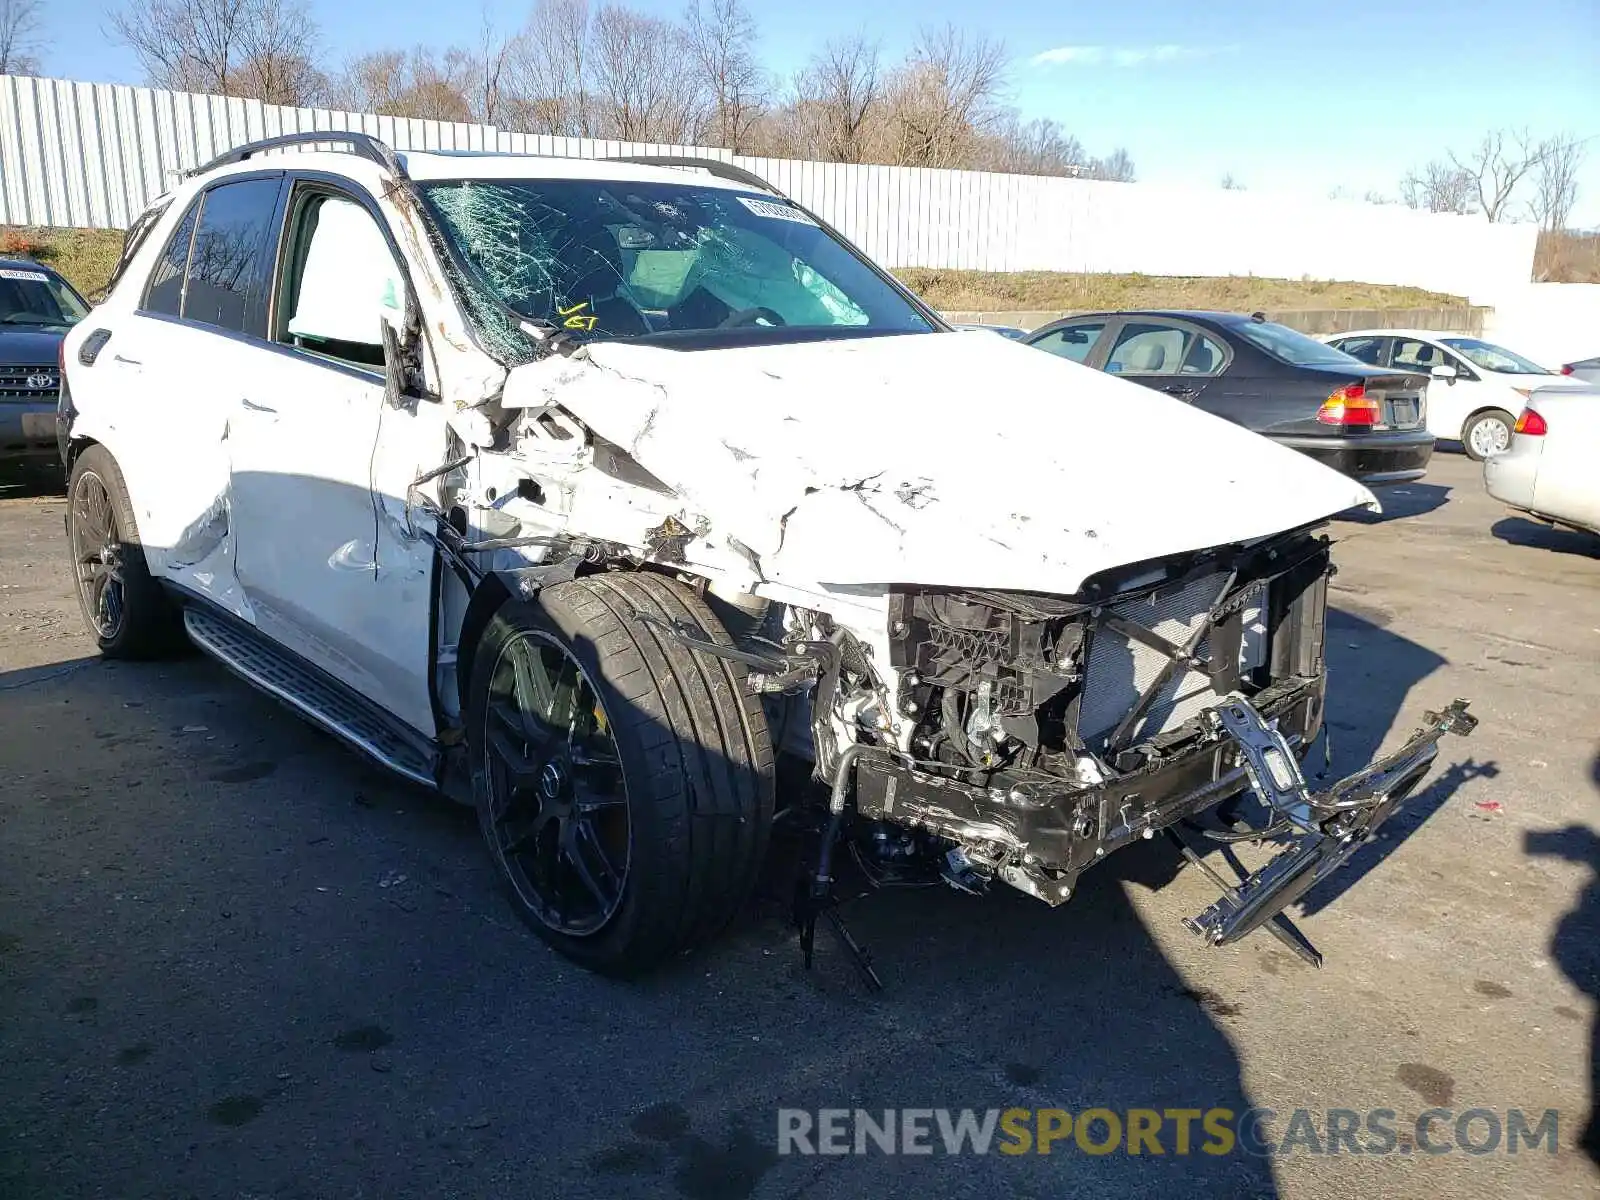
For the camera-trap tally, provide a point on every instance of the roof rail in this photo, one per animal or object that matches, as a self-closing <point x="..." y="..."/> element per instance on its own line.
<point x="364" y="145"/>
<point x="712" y="166"/>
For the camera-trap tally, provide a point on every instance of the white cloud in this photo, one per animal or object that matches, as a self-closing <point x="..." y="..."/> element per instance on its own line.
<point x="1124" y="56"/>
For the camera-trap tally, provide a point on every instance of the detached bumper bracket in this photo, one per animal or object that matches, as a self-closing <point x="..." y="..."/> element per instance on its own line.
<point x="1334" y="823"/>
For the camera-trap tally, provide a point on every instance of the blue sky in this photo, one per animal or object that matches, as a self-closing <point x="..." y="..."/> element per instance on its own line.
<point x="1297" y="101"/>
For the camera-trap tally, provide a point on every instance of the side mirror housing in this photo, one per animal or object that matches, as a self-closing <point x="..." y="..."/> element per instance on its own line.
<point x="1445" y="372"/>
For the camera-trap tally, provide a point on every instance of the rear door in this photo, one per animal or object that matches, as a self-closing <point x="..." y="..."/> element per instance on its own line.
<point x="1371" y="349"/>
<point x="175" y="362"/>
<point x="1177" y="358"/>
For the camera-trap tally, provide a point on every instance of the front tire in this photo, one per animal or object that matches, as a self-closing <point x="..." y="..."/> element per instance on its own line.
<point x="125" y="608"/>
<point x="1487" y="433"/>
<point x="624" y="782"/>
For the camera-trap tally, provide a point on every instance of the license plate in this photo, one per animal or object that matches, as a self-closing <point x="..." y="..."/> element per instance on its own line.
<point x="1402" y="412"/>
<point x="39" y="425"/>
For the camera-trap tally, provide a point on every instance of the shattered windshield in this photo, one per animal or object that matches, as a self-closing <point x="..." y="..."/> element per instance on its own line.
<point x="622" y="259"/>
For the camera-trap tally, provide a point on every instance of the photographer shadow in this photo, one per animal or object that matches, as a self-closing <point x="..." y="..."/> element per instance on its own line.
<point x="1575" y="941"/>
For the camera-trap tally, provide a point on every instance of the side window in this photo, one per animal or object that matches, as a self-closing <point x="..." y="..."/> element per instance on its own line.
<point x="1073" y="342"/>
<point x="1367" y="349"/>
<point x="232" y="257"/>
<point x="339" y="277"/>
<point x="165" y="293"/>
<point x="1418" y="356"/>
<point x="1148" y="348"/>
<point x="1205" y="357"/>
<point x="133" y="241"/>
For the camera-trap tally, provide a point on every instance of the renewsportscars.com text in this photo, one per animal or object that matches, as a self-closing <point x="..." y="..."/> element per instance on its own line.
<point x="1177" y="1131"/>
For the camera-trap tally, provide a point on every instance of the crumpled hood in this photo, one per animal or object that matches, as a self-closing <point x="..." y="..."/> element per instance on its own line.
<point x="949" y="459"/>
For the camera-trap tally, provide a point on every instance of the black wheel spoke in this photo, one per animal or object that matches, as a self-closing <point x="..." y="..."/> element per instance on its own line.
<point x="522" y="762"/>
<point x="94" y="538"/>
<point x="588" y="798"/>
<point x="557" y="808"/>
<point x="587" y="856"/>
<point x="529" y="832"/>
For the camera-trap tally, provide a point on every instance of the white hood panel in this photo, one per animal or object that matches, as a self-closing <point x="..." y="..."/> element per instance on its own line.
<point x="940" y="459"/>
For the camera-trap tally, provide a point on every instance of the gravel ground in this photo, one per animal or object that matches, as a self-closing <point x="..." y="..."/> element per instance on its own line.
<point x="235" y="961"/>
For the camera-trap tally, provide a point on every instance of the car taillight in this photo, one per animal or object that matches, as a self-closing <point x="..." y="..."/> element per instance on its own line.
<point x="1531" y="424"/>
<point x="1349" y="405"/>
<point x="1566" y="368"/>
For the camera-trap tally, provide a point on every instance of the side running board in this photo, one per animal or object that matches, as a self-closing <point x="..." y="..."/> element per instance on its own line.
<point x="313" y="694"/>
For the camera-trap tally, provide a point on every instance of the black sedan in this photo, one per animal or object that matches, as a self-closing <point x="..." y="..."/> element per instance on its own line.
<point x="37" y="307"/>
<point x="1362" y="420"/>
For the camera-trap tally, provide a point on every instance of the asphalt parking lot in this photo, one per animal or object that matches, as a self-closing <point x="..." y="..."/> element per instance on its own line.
<point x="235" y="961"/>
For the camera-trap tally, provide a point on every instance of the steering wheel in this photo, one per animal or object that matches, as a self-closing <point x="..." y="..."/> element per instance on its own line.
<point x="748" y="316"/>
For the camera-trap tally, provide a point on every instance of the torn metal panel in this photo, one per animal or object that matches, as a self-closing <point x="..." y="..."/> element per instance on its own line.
<point x="939" y="459"/>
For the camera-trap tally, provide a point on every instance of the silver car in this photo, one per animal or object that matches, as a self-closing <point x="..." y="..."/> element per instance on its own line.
<point x="1548" y="470"/>
<point x="1586" y="369"/>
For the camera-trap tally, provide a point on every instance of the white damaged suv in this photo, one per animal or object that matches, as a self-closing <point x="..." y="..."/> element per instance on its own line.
<point x="593" y="492"/>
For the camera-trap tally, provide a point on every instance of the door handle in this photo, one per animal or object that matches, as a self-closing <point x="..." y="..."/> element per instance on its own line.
<point x="254" y="407"/>
<point x="1181" y="391"/>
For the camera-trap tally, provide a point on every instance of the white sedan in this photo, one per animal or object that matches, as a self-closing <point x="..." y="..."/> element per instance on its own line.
<point x="1476" y="387"/>
<point x="1549" y="469"/>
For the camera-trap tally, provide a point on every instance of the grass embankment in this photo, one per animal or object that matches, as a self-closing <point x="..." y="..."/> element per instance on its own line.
<point x="1050" y="291"/>
<point x="86" y="256"/>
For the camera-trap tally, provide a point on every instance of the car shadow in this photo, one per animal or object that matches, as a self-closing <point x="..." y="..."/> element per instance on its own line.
<point x="26" y="478"/>
<point x="1575" y="941"/>
<point x="1372" y="675"/>
<point x="1400" y="502"/>
<point x="1520" y="531"/>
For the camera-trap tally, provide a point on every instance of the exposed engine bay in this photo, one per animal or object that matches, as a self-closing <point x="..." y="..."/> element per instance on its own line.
<point x="1041" y="731"/>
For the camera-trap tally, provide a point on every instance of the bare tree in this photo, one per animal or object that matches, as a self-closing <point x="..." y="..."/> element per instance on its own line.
<point x="944" y="98"/>
<point x="1231" y="184"/>
<point x="415" y="83"/>
<point x="1439" y="187"/>
<point x="20" y="41"/>
<point x="491" y="74"/>
<point x="1116" y="167"/>
<point x="1038" y="147"/>
<point x="838" y="97"/>
<point x="549" y="71"/>
<point x="1555" y="182"/>
<point x="1496" y="166"/>
<point x="722" y="40"/>
<point x="260" y="48"/>
<point x="643" y="77"/>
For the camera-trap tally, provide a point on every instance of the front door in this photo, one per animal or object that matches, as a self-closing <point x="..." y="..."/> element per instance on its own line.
<point x="1450" y="401"/>
<point x="325" y="567"/>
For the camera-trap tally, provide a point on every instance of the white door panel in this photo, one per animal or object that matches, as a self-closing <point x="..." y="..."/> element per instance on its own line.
<point x="324" y="572"/>
<point x="170" y="431"/>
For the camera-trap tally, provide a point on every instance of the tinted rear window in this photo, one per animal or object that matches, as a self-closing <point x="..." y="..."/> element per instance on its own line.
<point x="165" y="294"/>
<point x="231" y="259"/>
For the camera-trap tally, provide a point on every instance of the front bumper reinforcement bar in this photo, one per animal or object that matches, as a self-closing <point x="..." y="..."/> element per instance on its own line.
<point x="1331" y="825"/>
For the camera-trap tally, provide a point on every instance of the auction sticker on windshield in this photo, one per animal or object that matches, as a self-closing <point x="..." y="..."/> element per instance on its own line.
<point x="31" y="276"/>
<point x="783" y="212"/>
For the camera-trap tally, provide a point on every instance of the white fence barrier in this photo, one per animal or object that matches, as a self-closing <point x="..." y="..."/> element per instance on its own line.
<point x="82" y="154"/>
<point x="1551" y="323"/>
